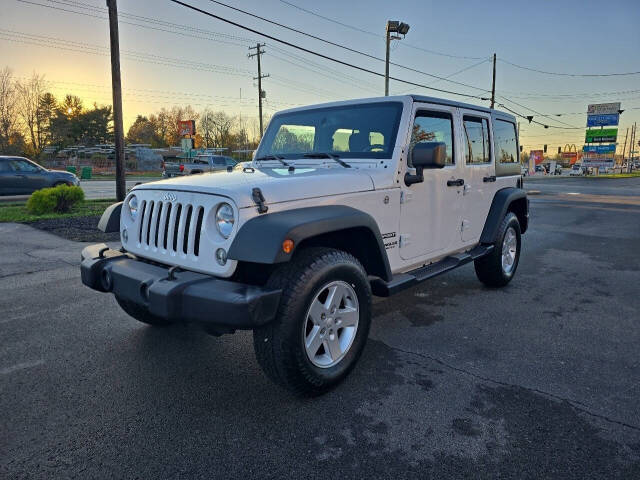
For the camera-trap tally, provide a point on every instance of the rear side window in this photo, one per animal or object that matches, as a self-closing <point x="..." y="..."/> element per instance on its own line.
<point x="478" y="149"/>
<point x="506" y="145"/>
<point x="219" y="161"/>
<point x="432" y="126"/>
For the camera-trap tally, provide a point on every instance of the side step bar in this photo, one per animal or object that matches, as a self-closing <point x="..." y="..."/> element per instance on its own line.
<point x="406" y="280"/>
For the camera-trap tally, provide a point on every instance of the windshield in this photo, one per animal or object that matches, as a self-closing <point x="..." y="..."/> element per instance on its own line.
<point x="350" y="131"/>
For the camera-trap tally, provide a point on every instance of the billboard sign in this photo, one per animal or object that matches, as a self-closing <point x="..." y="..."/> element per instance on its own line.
<point x="571" y="156"/>
<point x="603" y="120"/>
<point x="537" y="156"/>
<point x="603" y="108"/>
<point x="186" y="127"/>
<point x="599" y="149"/>
<point x="603" y="135"/>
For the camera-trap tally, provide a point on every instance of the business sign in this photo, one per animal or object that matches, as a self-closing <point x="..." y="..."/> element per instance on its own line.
<point x="571" y="156"/>
<point x="186" y="127"/>
<point x="603" y="108"/>
<point x="599" y="149"/>
<point x="597" y="162"/>
<point x="603" y="135"/>
<point x="186" y="144"/>
<point x="603" y="120"/>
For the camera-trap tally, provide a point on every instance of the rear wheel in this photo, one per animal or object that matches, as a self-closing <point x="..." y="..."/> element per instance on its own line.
<point x="322" y="322"/>
<point x="498" y="268"/>
<point x="141" y="314"/>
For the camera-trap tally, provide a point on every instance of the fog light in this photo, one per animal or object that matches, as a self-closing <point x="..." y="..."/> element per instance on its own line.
<point x="125" y="235"/>
<point x="221" y="256"/>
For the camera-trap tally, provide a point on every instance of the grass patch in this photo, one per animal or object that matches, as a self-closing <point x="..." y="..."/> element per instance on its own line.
<point x="12" y="212"/>
<point x="618" y="175"/>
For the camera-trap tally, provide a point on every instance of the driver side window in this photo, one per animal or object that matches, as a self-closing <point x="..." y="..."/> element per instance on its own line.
<point x="432" y="126"/>
<point x="22" y="166"/>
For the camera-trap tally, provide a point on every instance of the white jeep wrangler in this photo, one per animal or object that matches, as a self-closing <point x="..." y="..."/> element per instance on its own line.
<point x="342" y="201"/>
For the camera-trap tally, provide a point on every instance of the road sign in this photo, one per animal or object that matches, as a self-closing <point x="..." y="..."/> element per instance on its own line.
<point x="603" y="108"/>
<point x="603" y="120"/>
<point x="599" y="149"/>
<point x="603" y="135"/>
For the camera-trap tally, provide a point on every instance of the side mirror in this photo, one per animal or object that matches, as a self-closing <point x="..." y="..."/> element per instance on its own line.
<point x="426" y="155"/>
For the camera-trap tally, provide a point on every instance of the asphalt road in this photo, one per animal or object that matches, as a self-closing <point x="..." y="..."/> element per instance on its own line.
<point x="537" y="380"/>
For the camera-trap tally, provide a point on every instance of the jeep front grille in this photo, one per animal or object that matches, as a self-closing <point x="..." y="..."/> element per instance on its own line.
<point x="171" y="227"/>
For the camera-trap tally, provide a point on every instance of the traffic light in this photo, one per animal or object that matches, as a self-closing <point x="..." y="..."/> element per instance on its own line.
<point x="545" y="148"/>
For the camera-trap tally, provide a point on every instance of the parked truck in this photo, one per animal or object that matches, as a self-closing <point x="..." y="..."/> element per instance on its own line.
<point x="199" y="164"/>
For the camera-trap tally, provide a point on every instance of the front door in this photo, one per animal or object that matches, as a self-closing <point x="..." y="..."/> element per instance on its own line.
<point x="26" y="176"/>
<point x="479" y="173"/>
<point x="430" y="210"/>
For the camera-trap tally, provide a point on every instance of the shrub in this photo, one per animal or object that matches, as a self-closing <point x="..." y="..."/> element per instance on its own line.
<point x="58" y="199"/>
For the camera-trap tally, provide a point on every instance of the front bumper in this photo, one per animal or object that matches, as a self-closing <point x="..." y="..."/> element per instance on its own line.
<point x="178" y="295"/>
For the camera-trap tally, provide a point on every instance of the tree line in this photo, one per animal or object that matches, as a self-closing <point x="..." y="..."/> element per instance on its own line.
<point x="32" y="118"/>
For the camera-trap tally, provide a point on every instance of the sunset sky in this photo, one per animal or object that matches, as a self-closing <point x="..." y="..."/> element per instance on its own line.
<point x="203" y="62"/>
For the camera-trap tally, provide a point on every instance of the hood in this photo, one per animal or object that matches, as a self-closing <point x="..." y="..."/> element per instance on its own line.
<point x="61" y="173"/>
<point x="277" y="184"/>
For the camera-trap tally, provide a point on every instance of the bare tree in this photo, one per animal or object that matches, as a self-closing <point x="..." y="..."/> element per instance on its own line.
<point x="29" y="94"/>
<point x="8" y="101"/>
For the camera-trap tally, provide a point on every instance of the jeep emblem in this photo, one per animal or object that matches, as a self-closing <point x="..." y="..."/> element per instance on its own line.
<point x="169" y="197"/>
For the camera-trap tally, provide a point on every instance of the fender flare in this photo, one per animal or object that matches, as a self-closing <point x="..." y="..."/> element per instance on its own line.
<point x="110" y="219"/>
<point x="260" y="239"/>
<point x="502" y="200"/>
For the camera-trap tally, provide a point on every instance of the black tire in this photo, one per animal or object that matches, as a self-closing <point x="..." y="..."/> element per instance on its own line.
<point x="141" y="314"/>
<point x="279" y="346"/>
<point x="489" y="269"/>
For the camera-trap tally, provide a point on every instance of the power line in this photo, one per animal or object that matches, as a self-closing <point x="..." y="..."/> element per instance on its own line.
<point x="352" y="27"/>
<point x="312" y="52"/>
<point x="349" y="49"/>
<point x="559" y="74"/>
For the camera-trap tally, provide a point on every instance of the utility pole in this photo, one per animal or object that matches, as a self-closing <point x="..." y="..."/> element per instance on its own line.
<point x="261" y="93"/>
<point x="624" y="148"/>
<point x="632" y="146"/>
<point x="116" y="86"/>
<point x="493" y="83"/>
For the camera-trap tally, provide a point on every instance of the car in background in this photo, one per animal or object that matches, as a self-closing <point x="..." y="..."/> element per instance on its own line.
<point x="21" y="176"/>
<point x="200" y="164"/>
<point x="540" y="169"/>
<point x="576" y="170"/>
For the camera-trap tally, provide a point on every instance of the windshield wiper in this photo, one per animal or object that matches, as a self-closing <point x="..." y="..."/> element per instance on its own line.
<point x="332" y="156"/>
<point x="273" y="157"/>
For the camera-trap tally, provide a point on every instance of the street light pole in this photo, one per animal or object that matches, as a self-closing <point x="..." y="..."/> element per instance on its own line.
<point x="393" y="26"/>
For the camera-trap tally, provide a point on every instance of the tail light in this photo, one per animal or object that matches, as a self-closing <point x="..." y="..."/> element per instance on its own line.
<point x="182" y="168"/>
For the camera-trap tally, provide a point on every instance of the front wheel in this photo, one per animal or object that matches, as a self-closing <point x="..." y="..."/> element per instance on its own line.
<point x="498" y="268"/>
<point x="322" y="323"/>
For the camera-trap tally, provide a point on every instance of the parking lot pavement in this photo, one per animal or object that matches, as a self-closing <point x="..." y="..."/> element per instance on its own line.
<point x="537" y="380"/>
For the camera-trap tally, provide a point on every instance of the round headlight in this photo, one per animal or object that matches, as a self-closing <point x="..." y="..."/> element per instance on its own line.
<point x="224" y="219"/>
<point x="133" y="206"/>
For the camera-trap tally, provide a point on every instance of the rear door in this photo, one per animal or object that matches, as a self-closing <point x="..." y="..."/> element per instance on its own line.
<point x="479" y="173"/>
<point x="430" y="210"/>
<point x="7" y="180"/>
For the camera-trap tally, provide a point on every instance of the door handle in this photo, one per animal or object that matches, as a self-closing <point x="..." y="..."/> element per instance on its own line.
<point x="491" y="178"/>
<point x="458" y="182"/>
